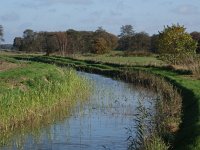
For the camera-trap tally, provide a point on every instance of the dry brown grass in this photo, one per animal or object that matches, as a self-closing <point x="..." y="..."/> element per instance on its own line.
<point x="7" y="65"/>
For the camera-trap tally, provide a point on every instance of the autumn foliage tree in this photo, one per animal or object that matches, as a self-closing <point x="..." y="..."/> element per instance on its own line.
<point x="99" y="46"/>
<point x="111" y="39"/>
<point x="175" y="43"/>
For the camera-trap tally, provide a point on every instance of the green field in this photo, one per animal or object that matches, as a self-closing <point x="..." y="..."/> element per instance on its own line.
<point x="118" y="57"/>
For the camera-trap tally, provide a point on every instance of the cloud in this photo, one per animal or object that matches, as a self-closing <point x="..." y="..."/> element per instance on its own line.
<point x="186" y="10"/>
<point x="10" y="17"/>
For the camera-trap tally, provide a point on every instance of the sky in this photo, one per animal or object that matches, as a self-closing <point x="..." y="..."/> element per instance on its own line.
<point x="60" y="15"/>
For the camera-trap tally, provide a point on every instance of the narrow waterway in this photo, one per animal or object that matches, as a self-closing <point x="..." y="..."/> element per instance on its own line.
<point x="100" y="123"/>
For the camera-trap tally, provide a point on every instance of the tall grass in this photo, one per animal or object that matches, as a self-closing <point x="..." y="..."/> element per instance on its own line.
<point x="155" y="130"/>
<point x="147" y="137"/>
<point x="37" y="91"/>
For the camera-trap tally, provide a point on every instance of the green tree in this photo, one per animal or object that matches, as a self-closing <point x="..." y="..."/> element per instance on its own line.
<point x="175" y="43"/>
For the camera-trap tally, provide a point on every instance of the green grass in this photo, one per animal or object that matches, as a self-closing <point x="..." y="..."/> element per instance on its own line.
<point x="28" y="93"/>
<point x="188" y="137"/>
<point x="118" y="58"/>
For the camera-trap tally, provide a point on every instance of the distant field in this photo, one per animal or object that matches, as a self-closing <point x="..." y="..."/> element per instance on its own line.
<point x="118" y="58"/>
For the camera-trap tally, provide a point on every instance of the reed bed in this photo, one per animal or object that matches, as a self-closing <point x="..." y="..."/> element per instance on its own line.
<point x="31" y="93"/>
<point x="156" y="130"/>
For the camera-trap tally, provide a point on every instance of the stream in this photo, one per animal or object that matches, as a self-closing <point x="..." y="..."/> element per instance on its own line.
<point x="100" y="123"/>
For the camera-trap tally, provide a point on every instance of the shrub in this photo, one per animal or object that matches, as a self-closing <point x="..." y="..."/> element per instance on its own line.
<point x="99" y="46"/>
<point x="175" y="44"/>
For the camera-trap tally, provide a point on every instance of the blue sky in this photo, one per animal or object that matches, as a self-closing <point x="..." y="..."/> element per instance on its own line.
<point x="60" y="15"/>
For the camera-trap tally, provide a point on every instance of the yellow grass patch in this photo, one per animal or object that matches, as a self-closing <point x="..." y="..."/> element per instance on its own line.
<point x="7" y="65"/>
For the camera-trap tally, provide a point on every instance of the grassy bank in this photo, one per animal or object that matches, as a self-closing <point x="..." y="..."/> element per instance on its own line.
<point x="188" y="137"/>
<point x="32" y="91"/>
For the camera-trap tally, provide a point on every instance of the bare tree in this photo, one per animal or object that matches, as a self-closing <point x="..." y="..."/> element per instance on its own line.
<point x="62" y="41"/>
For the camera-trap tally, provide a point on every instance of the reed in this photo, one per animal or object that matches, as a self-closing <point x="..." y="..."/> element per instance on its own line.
<point x="29" y="94"/>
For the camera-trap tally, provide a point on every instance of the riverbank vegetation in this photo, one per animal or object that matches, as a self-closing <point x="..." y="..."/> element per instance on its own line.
<point x="181" y="79"/>
<point x="32" y="91"/>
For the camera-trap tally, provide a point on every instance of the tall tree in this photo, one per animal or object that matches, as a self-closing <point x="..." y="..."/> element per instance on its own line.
<point x="125" y="36"/>
<point x="62" y="41"/>
<point x="28" y="34"/>
<point x="127" y="31"/>
<point x="52" y="44"/>
<point x="29" y="37"/>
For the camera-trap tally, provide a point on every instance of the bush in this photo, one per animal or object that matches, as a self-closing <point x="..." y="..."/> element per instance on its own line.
<point x="99" y="46"/>
<point x="176" y="44"/>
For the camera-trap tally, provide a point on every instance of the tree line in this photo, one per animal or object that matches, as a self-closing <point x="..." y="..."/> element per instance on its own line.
<point x="71" y="41"/>
<point x="99" y="41"/>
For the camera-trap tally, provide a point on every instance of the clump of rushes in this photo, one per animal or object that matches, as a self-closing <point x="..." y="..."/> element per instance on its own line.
<point x="30" y="93"/>
<point x="155" y="131"/>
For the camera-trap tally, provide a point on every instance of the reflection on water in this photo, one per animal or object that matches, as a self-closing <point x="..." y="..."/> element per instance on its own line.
<point x="100" y="123"/>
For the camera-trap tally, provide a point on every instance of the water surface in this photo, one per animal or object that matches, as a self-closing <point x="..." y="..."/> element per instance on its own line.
<point x="98" y="124"/>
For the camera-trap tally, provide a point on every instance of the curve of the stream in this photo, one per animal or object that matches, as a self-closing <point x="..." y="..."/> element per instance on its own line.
<point x="103" y="122"/>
